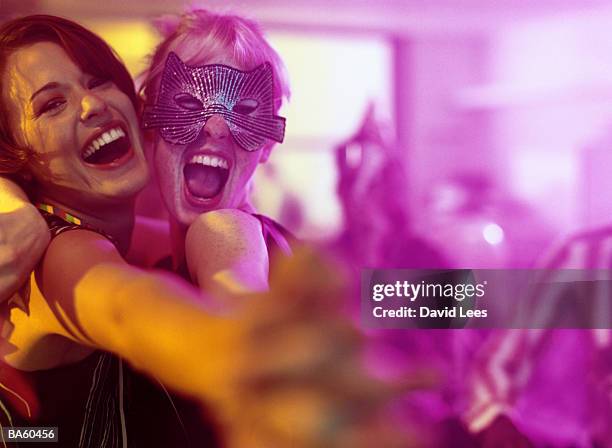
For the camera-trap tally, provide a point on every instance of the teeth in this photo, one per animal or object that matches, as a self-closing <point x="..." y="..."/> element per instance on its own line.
<point x="106" y="137"/>
<point x="213" y="161"/>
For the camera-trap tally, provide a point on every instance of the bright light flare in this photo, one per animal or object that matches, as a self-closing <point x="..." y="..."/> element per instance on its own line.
<point x="493" y="234"/>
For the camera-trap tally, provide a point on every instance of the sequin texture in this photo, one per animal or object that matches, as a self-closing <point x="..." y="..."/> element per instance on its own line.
<point x="189" y="95"/>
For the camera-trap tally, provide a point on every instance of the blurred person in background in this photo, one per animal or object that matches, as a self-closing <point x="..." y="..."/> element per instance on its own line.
<point x="377" y="230"/>
<point x="482" y="226"/>
<point x="552" y="385"/>
<point x="378" y="233"/>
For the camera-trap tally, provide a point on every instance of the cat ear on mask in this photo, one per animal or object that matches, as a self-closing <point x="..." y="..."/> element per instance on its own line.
<point x="260" y="79"/>
<point x="175" y="75"/>
<point x="189" y="95"/>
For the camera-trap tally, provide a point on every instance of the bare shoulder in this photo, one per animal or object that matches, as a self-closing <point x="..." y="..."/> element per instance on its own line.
<point x="227" y="247"/>
<point x="225" y="223"/>
<point x="75" y="251"/>
<point x="70" y="257"/>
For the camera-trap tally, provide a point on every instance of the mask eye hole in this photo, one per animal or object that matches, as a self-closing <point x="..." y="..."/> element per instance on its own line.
<point x="188" y="102"/>
<point x="246" y="106"/>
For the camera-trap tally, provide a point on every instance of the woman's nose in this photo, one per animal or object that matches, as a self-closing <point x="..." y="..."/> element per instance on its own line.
<point x="216" y="127"/>
<point x="93" y="108"/>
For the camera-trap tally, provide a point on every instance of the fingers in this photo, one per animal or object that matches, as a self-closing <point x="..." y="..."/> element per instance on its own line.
<point x="9" y="272"/>
<point x="379" y="431"/>
<point x="324" y="405"/>
<point x="303" y="383"/>
<point x="306" y="418"/>
<point x="23" y="238"/>
<point x="299" y="351"/>
<point x="305" y="285"/>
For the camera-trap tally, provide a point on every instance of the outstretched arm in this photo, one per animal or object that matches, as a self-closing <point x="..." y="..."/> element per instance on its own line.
<point x="23" y="237"/>
<point x="267" y="372"/>
<point x="87" y="293"/>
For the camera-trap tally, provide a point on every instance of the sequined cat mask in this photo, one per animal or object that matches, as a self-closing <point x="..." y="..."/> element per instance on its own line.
<point x="189" y="95"/>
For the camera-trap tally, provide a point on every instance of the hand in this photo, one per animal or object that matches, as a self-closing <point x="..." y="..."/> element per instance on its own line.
<point x="24" y="236"/>
<point x="297" y="378"/>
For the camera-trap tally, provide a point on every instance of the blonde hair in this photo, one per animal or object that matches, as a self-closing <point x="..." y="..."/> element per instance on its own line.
<point x="200" y="35"/>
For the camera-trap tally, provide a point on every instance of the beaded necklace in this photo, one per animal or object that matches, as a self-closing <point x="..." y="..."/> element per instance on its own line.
<point x="49" y="211"/>
<point x="60" y="213"/>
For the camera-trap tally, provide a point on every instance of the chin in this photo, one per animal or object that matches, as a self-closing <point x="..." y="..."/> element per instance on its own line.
<point x="130" y="189"/>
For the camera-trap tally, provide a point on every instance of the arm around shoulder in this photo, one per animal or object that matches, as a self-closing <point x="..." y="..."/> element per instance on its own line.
<point x="226" y="252"/>
<point x="23" y="237"/>
<point x="154" y="321"/>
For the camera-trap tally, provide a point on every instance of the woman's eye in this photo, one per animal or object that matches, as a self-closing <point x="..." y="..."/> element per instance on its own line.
<point x="97" y="82"/>
<point x="51" y="106"/>
<point x="245" y="107"/>
<point x="188" y="102"/>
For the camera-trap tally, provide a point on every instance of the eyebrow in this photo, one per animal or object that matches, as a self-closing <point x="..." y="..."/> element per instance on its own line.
<point x="48" y="86"/>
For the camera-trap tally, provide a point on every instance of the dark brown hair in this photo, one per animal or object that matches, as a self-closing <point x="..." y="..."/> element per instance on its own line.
<point x="87" y="50"/>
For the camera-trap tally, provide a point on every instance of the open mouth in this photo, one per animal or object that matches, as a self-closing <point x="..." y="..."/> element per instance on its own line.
<point x="206" y="175"/>
<point x="108" y="147"/>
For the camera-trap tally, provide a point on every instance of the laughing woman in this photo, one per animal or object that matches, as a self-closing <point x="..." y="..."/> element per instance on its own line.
<point x="69" y="133"/>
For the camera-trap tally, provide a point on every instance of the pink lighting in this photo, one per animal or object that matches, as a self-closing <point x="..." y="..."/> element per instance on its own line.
<point x="469" y="134"/>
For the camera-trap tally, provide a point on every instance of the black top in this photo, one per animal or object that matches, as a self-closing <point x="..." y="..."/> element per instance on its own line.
<point x="100" y="401"/>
